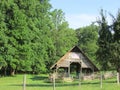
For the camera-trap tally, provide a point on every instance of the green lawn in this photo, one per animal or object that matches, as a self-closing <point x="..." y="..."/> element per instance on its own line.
<point x="39" y="82"/>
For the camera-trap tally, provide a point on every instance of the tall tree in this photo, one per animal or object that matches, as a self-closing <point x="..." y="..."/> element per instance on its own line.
<point x="63" y="37"/>
<point x="115" y="46"/>
<point x="104" y="40"/>
<point x="3" y="41"/>
<point x="39" y="25"/>
<point x="27" y="33"/>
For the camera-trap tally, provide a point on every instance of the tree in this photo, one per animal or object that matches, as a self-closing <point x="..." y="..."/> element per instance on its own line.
<point x="104" y="40"/>
<point x="17" y="16"/>
<point x="87" y="39"/>
<point x="115" y="46"/>
<point x="109" y="44"/>
<point x="3" y="42"/>
<point x="32" y="36"/>
<point x="63" y="37"/>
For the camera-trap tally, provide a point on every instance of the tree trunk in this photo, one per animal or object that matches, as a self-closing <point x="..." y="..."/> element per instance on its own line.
<point x="5" y="71"/>
<point x="13" y="72"/>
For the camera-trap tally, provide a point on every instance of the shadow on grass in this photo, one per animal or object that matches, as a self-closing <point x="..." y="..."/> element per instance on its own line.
<point x="110" y="81"/>
<point x="32" y="85"/>
<point x="87" y="83"/>
<point x="47" y="85"/>
<point x="57" y="84"/>
<point x="39" y="78"/>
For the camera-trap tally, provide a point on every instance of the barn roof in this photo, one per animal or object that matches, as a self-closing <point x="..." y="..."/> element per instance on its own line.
<point x="75" y="55"/>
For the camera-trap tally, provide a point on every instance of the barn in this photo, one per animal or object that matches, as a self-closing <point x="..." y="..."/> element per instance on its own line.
<point x="75" y="60"/>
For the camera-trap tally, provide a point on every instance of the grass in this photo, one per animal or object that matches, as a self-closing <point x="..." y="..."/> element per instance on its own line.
<point x="40" y="82"/>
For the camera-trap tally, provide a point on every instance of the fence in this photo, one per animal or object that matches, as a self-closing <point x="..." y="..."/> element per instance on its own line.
<point x="54" y="82"/>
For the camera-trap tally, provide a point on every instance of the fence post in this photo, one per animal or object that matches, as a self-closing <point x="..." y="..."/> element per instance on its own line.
<point x="53" y="81"/>
<point x="118" y="82"/>
<point x="101" y="79"/>
<point x="24" y="82"/>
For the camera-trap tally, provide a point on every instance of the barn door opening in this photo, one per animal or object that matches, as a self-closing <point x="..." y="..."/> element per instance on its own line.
<point x="74" y="69"/>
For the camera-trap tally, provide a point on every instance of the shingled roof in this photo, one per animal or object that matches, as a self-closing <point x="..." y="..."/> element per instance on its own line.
<point x="75" y="55"/>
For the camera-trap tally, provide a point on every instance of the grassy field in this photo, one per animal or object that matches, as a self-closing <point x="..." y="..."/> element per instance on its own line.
<point x="39" y="82"/>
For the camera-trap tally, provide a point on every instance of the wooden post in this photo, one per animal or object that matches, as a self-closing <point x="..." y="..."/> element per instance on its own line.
<point x="118" y="82"/>
<point x="101" y="79"/>
<point x="53" y="81"/>
<point x="24" y="82"/>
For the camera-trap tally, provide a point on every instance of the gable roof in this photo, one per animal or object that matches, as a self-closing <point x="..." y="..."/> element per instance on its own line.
<point x="77" y="56"/>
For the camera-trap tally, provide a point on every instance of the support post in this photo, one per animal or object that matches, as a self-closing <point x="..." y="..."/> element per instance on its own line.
<point x="56" y="70"/>
<point x="80" y="75"/>
<point x="93" y="74"/>
<point x="69" y="71"/>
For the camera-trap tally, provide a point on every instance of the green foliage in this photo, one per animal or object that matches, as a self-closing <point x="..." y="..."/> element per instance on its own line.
<point x="108" y="53"/>
<point x="104" y="40"/>
<point x="115" y="45"/>
<point x="63" y="37"/>
<point x="29" y="39"/>
<point x="87" y="40"/>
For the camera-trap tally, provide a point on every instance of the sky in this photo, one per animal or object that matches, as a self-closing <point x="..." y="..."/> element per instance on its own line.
<point x="80" y="13"/>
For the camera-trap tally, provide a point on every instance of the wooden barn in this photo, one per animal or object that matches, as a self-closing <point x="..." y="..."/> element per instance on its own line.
<point x="75" y="60"/>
